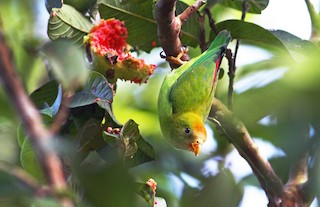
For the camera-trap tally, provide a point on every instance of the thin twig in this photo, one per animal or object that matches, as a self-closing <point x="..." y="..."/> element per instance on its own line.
<point x="190" y="10"/>
<point x="231" y="75"/>
<point x="211" y="21"/>
<point x="232" y="70"/>
<point x="245" y="7"/>
<point x="39" y="136"/>
<point x="202" y="37"/>
<point x="315" y="21"/>
<point x="229" y="56"/>
<point x="63" y="113"/>
<point x="237" y="134"/>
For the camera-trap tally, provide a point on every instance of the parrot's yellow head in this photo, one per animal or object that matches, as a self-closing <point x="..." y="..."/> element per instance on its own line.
<point x="186" y="132"/>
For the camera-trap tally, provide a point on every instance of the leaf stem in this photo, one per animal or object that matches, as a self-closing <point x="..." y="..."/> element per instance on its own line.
<point x="315" y="21"/>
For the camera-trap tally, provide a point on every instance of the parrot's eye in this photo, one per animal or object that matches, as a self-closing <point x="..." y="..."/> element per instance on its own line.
<point x="187" y="130"/>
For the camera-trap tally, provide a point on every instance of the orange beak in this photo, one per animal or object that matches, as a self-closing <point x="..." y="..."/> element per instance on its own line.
<point x="195" y="147"/>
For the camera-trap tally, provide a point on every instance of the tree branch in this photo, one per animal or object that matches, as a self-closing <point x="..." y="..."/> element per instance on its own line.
<point x="237" y="134"/>
<point x="39" y="136"/>
<point x="311" y="188"/>
<point x="293" y="195"/>
<point x="169" y="27"/>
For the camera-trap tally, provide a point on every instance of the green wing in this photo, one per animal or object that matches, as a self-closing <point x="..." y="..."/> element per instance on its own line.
<point x="194" y="89"/>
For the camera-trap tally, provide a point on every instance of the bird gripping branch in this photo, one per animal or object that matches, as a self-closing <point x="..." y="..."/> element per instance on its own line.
<point x="186" y="96"/>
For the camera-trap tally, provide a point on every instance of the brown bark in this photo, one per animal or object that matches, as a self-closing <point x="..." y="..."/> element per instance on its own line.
<point x="41" y="138"/>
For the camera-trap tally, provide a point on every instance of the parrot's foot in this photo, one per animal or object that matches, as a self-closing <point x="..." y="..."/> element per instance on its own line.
<point x="175" y="60"/>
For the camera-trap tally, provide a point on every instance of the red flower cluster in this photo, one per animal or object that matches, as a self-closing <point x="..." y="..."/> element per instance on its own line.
<point x="108" y="38"/>
<point x="107" y="42"/>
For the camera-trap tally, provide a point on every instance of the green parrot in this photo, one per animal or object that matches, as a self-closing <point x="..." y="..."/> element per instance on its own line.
<point x="186" y="96"/>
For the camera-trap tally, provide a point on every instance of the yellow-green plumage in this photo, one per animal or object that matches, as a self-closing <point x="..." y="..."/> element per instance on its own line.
<point x="186" y="96"/>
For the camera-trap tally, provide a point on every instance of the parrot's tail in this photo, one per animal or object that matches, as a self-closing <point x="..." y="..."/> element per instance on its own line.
<point x="216" y="48"/>
<point x="220" y="41"/>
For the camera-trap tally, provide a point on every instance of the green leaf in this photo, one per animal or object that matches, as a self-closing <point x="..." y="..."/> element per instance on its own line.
<point x="66" y="22"/>
<point x="14" y="191"/>
<point x="295" y="45"/>
<point x="188" y="2"/>
<point x="90" y="136"/>
<point x="53" y="110"/>
<point x="264" y="65"/>
<point x="136" y="149"/>
<point x="254" y="6"/>
<point x="21" y="136"/>
<point x="146" y="192"/>
<point x="217" y="191"/>
<point x="135" y="152"/>
<point x="130" y="130"/>
<point x="110" y="120"/>
<point x="8" y="147"/>
<point x="141" y="25"/>
<point x="45" y="94"/>
<point x="107" y="185"/>
<point x="96" y="90"/>
<point x="18" y="23"/>
<point x="261" y="102"/>
<point x="46" y="201"/>
<point x="145" y="153"/>
<point x="252" y="33"/>
<point x="30" y="162"/>
<point x="111" y="139"/>
<point x="82" y="114"/>
<point x="81" y="5"/>
<point x="132" y="1"/>
<point x="67" y="61"/>
<point x="129" y="135"/>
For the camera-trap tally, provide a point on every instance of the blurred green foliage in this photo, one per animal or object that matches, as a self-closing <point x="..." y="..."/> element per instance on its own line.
<point x="290" y="103"/>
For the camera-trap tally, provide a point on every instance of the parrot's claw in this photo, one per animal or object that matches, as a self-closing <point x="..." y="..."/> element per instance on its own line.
<point x="175" y="60"/>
